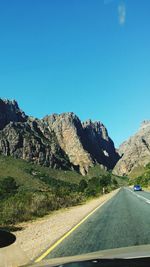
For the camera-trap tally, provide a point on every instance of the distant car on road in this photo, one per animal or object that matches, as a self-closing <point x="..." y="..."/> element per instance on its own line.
<point x="137" y="188"/>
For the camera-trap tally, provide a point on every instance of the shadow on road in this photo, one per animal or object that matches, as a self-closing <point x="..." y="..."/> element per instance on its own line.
<point x="6" y="238"/>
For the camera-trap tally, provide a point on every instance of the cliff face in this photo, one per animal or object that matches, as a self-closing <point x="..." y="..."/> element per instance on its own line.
<point x="58" y="141"/>
<point x="134" y="152"/>
<point x="70" y="135"/>
<point x="99" y="144"/>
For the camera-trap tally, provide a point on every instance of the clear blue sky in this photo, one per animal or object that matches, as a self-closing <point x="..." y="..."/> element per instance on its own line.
<point x="91" y="57"/>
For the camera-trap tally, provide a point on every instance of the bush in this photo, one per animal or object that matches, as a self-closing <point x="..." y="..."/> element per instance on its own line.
<point x="82" y="185"/>
<point x="8" y="187"/>
<point x="94" y="187"/>
<point x="25" y="206"/>
<point x="148" y="166"/>
<point x="25" y="202"/>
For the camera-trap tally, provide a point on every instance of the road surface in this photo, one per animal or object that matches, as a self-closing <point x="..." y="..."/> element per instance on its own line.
<point x="123" y="221"/>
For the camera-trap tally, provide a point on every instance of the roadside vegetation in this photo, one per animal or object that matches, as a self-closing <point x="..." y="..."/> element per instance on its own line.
<point x="28" y="191"/>
<point x="143" y="178"/>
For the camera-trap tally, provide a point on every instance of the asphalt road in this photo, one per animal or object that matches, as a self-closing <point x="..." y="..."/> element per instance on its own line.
<point x="123" y="221"/>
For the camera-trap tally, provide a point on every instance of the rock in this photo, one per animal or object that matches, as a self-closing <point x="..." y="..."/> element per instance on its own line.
<point x="9" y="111"/>
<point x="70" y="136"/>
<point x="26" y="141"/>
<point x="58" y="141"/>
<point x="99" y="144"/>
<point x="134" y="152"/>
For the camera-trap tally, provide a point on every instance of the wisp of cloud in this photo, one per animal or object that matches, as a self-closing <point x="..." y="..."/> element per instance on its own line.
<point x="122" y="13"/>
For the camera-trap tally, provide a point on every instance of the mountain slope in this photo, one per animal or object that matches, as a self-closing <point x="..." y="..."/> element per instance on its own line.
<point x="57" y="141"/>
<point x="29" y="190"/>
<point x="135" y="152"/>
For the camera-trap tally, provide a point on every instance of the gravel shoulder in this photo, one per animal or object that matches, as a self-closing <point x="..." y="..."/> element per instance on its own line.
<point x="38" y="235"/>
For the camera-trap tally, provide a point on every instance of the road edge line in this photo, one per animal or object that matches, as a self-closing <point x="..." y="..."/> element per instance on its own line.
<point x="52" y="247"/>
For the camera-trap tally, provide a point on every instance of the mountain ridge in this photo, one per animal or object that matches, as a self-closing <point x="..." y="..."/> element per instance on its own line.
<point x="57" y="140"/>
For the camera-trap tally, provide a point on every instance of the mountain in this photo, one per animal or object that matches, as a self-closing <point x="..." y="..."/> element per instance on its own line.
<point x="99" y="144"/>
<point x="135" y="152"/>
<point x="28" y="138"/>
<point x="57" y="141"/>
<point x="70" y="136"/>
<point x="9" y="111"/>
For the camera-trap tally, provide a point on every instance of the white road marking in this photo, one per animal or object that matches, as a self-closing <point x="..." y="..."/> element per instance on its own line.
<point x="144" y="198"/>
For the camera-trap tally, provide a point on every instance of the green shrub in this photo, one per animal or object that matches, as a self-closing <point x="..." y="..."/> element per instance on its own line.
<point x="8" y="187"/>
<point x="34" y="191"/>
<point x="82" y="185"/>
<point x="148" y="166"/>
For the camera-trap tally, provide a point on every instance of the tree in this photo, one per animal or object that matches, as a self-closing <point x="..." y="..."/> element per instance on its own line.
<point x="105" y="180"/>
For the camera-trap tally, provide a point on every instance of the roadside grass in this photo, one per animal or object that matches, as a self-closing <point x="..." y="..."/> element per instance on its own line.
<point x="28" y="191"/>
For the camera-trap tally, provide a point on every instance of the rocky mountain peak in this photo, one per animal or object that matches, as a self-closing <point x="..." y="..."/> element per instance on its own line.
<point x="66" y="117"/>
<point x="98" y="127"/>
<point x="144" y="124"/>
<point x="10" y="111"/>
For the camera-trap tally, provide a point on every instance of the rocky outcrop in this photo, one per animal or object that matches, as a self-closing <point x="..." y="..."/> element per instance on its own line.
<point x="9" y="111"/>
<point x="134" y="152"/>
<point x="86" y="143"/>
<point x="26" y="141"/>
<point x="70" y="135"/>
<point x="58" y="141"/>
<point x="99" y="144"/>
<point x="28" y="138"/>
